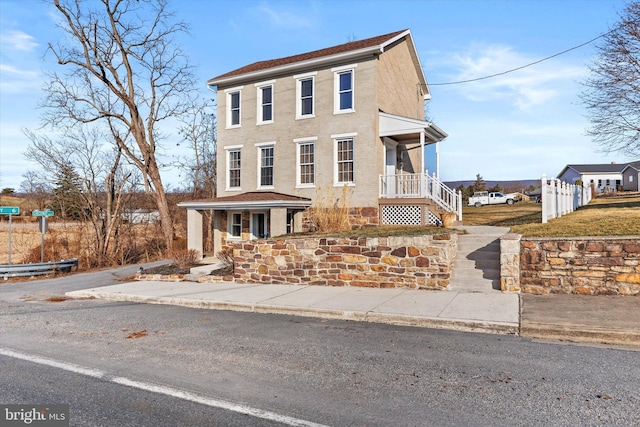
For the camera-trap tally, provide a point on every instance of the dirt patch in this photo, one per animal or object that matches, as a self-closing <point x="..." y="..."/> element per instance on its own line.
<point x="138" y="334"/>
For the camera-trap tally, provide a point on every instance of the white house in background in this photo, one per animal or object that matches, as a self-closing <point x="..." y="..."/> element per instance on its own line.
<point x="631" y="177"/>
<point x="604" y="177"/>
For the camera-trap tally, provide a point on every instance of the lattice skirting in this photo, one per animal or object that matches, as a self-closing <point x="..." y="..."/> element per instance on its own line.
<point x="407" y="215"/>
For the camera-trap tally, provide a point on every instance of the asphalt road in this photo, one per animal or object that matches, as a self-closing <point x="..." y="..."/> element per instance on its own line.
<point x="336" y="373"/>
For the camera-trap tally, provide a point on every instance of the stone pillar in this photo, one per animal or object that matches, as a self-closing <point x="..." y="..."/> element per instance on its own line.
<point x="510" y="262"/>
<point x="278" y="225"/>
<point x="194" y="231"/>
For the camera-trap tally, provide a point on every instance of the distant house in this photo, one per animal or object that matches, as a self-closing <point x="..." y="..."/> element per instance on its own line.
<point x="604" y="177"/>
<point x="139" y="216"/>
<point x="631" y="177"/>
<point x="294" y="129"/>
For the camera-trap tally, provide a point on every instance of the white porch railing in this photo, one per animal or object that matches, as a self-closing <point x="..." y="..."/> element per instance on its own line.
<point x="417" y="185"/>
<point x="561" y="198"/>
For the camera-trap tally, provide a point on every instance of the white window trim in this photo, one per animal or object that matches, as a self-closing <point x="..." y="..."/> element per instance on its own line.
<point x="302" y="141"/>
<point x="259" y="87"/>
<point x="299" y="78"/>
<point x="228" y="93"/>
<point x="336" y="88"/>
<point x="259" y="147"/>
<point x="336" y="138"/>
<point x="230" y="236"/>
<point x="228" y="149"/>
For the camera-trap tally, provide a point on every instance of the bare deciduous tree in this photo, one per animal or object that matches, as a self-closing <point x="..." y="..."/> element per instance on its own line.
<point x="37" y="188"/>
<point x="122" y="68"/>
<point x="102" y="187"/>
<point x="198" y="131"/>
<point x="612" y="94"/>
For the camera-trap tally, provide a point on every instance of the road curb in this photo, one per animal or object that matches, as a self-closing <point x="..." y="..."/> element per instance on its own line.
<point x="322" y="313"/>
<point x="586" y="335"/>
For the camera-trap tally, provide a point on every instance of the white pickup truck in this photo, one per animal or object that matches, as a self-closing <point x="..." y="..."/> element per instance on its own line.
<point x="485" y="198"/>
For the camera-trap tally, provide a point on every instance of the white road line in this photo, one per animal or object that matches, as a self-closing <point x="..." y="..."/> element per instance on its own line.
<point x="229" y="406"/>
<point x="168" y="391"/>
<point x="49" y="362"/>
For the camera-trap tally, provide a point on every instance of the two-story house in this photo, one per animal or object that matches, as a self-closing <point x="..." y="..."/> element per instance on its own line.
<point x="350" y="115"/>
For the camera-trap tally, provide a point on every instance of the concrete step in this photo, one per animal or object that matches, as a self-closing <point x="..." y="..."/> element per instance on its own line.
<point x="203" y="270"/>
<point x="477" y="264"/>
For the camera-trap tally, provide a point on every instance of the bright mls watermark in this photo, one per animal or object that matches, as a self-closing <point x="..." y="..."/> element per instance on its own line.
<point x="34" y="415"/>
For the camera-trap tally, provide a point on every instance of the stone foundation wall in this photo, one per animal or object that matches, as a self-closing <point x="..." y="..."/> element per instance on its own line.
<point x="418" y="262"/>
<point x="589" y="265"/>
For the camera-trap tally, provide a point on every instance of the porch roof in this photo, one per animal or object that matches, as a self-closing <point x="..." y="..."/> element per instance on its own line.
<point x="249" y="200"/>
<point x="405" y="128"/>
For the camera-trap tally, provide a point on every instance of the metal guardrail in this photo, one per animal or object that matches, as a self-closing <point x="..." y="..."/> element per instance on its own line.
<point x="36" y="269"/>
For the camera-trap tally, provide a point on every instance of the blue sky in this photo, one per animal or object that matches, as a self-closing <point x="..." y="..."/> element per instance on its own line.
<point x="516" y="126"/>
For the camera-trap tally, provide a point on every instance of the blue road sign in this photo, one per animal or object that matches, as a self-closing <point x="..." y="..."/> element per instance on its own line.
<point x="9" y="210"/>
<point x="42" y="213"/>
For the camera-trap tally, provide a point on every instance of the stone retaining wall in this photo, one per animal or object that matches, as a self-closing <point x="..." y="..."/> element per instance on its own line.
<point x="417" y="262"/>
<point x="585" y="265"/>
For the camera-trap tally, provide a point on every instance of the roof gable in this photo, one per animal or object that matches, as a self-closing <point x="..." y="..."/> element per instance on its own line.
<point x="370" y="46"/>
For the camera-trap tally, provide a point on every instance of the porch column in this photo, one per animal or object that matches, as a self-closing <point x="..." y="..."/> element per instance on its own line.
<point x="438" y="159"/>
<point x="423" y="168"/>
<point x="297" y="221"/>
<point x="194" y="231"/>
<point x="278" y="225"/>
<point x="217" y="231"/>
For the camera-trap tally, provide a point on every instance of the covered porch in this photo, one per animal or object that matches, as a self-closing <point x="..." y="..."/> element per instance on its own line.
<point x="246" y="216"/>
<point x="405" y="173"/>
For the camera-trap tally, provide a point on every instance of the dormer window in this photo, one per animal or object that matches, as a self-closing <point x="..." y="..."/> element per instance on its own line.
<point x="305" y="93"/>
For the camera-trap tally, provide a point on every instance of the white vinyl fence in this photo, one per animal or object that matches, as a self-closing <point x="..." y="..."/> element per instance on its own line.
<point x="561" y="198"/>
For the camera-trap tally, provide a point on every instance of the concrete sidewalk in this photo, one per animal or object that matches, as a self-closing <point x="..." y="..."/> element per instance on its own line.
<point x="607" y="319"/>
<point x="493" y="312"/>
<point x="569" y="318"/>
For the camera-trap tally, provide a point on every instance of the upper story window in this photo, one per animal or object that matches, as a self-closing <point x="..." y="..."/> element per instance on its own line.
<point x="306" y="162"/>
<point x="344" y="154"/>
<point x="233" y="107"/>
<point x="233" y="167"/>
<point x="343" y="83"/>
<point x="265" y="166"/>
<point x="265" y="102"/>
<point x="305" y="95"/>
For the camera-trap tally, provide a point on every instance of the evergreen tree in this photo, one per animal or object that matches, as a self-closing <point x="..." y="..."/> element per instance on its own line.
<point x="479" y="185"/>
<point x="67" y="201"/>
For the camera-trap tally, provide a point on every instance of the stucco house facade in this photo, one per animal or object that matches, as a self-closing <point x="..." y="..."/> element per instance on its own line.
<point x="345" y="120"/>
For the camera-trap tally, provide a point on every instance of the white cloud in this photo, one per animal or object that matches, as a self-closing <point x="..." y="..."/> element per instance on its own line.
<point x="285" y="19"/>
<point x="16" y="80"/>
<point x="525" y="88"/>
<point x="17" y="40"/>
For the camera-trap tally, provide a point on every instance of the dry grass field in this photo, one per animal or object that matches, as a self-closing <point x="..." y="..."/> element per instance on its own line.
<point x="610" y="216"/>
<point x="604" y="216"/>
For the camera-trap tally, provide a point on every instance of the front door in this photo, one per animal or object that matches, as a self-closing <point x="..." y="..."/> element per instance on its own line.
<point x="390" y="162"/>
<point x="258" y="225"/>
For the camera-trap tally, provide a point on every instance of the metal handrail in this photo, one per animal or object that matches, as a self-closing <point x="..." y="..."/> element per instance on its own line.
<point x="37" y="268"/>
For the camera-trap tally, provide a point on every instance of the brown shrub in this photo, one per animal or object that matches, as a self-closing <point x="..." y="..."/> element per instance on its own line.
<point x="185" y="258"/>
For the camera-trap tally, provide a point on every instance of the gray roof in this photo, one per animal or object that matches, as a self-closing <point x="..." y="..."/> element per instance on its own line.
<point x="603" y="168"/>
